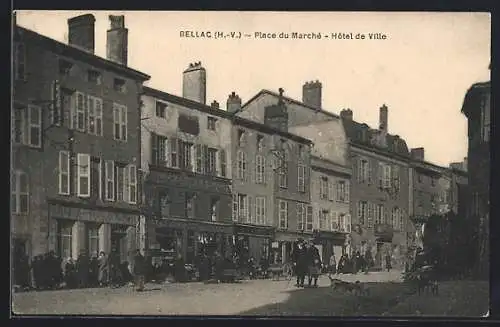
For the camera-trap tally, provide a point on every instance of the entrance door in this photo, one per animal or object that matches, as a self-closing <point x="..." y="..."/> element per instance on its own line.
<point x="119" y="241"/>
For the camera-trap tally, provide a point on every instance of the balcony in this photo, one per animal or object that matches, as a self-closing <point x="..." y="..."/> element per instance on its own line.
<point x="384" y="232"/>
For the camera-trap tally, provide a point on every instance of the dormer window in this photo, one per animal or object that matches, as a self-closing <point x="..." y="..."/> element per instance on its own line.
<point x="93" y="76"/>
<point x="119" y="85"/>
<point x="161" y="109"/>
<point x="65" y="67"/>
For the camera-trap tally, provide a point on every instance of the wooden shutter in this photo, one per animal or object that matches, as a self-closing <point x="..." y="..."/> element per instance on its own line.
<point x="330" y="189"/>
<point x="154" y="149"/>
<point x="347" y="194"/>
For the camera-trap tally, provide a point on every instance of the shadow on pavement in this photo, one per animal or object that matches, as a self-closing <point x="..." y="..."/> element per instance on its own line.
<point x="324" y="301"/>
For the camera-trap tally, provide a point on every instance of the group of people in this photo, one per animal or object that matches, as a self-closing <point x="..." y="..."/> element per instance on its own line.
<point x="307" y="262"/>
<point x="355" y="264"/>
<point x="49" y="271"/>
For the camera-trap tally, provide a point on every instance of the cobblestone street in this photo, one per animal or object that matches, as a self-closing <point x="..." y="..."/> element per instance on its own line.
<point x="260" y="297"/>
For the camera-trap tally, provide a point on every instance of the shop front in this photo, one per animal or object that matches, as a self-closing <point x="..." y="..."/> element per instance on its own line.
<point x="284" y="244"/>
<point x="252" y="241"/>
<point x="329" y="242"/>
<point x="189" y="239"/>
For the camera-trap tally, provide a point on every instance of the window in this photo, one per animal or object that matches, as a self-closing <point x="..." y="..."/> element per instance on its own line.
<point x="301" y="216"/>
<point x="79" y="112"/>
<point x="95" y="178"/>
<point x="189" y="205"/>
<point x="241" y="138"/>
<point x="119" y="85"/>
<point x="362" y="212"/>
<point x="301" y="172"/>
<point x="343" y="191"/>
<point x="121" y="178"/>
<point x="309" y="219"/>
<point x="384" y="175"/>
<point x="283" y="214"/>
<point x="260" y="210"/>
<point x="396" y="181"/>
<point x="283" y="169"/>
<point x="323" y="219"/>
<point x="110" y="180"/>
<point x="199" y="158"/>
<point x="161" y="109"/>
<point x="331" y="185"/>
<point x="396" y="217"/>
<point x="64" y="171"/>
<point x="132" y="184"/>
<point x="93" y="239"/>
<point x="93" y="76"/>
<point x="65" y="67"/>
<point x="185" y="161"/>
<point x="20" y="192"/>
<point x="341" y="222"/>
<point x="323" y="188"/>
<point x="83" y="163"/>
<point x="369" y="216"/>
<point x="235" y="207"/>
<point x="211" y="163"/>
<point x="242" y="165"/>
<point x="401" y="221"/>
<point x="20" y="62"/>
<point x="214" y="205"/>
<point x="211" y="123"/>
<point x="243" y="213"/>
<point x="260" y="143"/>
<point x="260" y="166"/>
<point x="364" y="171"/>
<point x="158" y="150"/>
<point x="173" y="153"/>
<point x="222" y="154"/>
<point x="95" y="116"/>
<point x="334" y="223"/>
<point x="64" y="238"/>
<point x="379" y="215"/>
<point x="19" y="125"/>
<point x="120" y="121"/>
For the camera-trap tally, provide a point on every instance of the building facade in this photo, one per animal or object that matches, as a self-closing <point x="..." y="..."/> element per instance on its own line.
<point x="186" y="152"/>
<point x="379" y="190"/>
<point x="330" y="185"/>
<point x="75" y="143"/>
<point x="291" y="166"/>
<point x="477" y="107"/>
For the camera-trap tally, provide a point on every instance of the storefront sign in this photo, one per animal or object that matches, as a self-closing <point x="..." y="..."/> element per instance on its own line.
<point x="58" y="211"/>
<point x="254" y="231"/>
<point x="191" y="181"/>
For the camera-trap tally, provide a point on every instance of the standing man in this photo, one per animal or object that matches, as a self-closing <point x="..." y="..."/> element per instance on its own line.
<point x="314" y="263"/>
<point x="332" y="267"/>
<point x="139" y="270"/>
<point x="301" y="263"/>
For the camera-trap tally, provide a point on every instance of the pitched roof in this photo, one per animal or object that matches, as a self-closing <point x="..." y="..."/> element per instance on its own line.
<point x="222" y="113"/>
<point x="76" y="53"/>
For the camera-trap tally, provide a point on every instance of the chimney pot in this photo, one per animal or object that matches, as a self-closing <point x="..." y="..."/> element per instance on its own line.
<point x="417" y="154"/>
<point x="81" y="33"/>
<point x="311" y="94"/>
<point x="117" y="40"/>
<point x="346" y="114"/>
<point x="383" y="119"/>
<point x="233" y="103"/>
<point x="194" y="83"/>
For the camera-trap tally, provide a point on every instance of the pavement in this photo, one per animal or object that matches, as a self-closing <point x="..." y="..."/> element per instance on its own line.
<point x="388" y="297"/>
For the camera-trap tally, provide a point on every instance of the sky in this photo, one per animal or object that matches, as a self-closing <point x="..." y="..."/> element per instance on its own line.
<point x="421" y="70"/>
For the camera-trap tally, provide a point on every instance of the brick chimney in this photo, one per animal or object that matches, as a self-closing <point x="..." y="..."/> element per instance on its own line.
<point x="417" y="154"/>
<point x="276" y="115"/>
<point x="383" y="119"/>
<point x="346" y="114"/>
<point x="81" y="32"/>
<point x="194" y="83"/>
<point x="117" y="40"/>
<point x="311" y="94"/>
<point x="233" y="103"/>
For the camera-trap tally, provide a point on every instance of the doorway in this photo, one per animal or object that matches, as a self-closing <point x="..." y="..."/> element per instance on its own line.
<point x="119" y="241"/>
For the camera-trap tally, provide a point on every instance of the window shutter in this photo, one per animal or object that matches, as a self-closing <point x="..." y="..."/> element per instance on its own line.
<point x="300" y="221"/>
<point x="174" y="153"/>
<point x="333" y="221"/>
<point x="370" y="172"/>
<point x="360" y="210"/>
<point x="347" y="221"/>
<point x="251" y="213"/>
<point x="222" y="154"/>
<point x="235" y="207"/>
<point x="381" y="174"/>
<point x="205" y="161"/>
<point x="126" y="181"/>
<point x="347" y="191"/>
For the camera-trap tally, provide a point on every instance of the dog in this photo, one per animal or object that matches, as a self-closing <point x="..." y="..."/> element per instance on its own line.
<point x="354" y="288"/>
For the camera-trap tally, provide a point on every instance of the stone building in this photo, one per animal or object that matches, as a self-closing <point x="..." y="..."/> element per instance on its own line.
<point x="186" y="159"/>
<point x="75" y="143"/>
<point x="476" y="107"/>
<point x="291" y="155"/>
<point x="380" y="196"/>
<point x="330" y="186"/>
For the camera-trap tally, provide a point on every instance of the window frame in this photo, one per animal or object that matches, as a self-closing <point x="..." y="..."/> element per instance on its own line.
<point x="80" y="174"/>
<point x="62" y="173"/>
<point x="132" y="185"/>
<point x="241" y="165"/>
<point x="109" y="178"/>
<point x="32" y="125"/>
<point x="282" y="210"/>
<point x="17" y="193"/>
<point x="301" y="178"/>
<point x="260" y="168"/>
<point x="96" y="115"/>
<point x="120" y="121"/>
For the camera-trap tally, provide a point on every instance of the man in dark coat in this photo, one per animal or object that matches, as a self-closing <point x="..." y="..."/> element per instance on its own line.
<point x="83" y="268"/>
<point x="103" y="269"/>
<point x="314" y="260"/>
<point x="139" y="271"/>
<point x="301" y="263"/>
